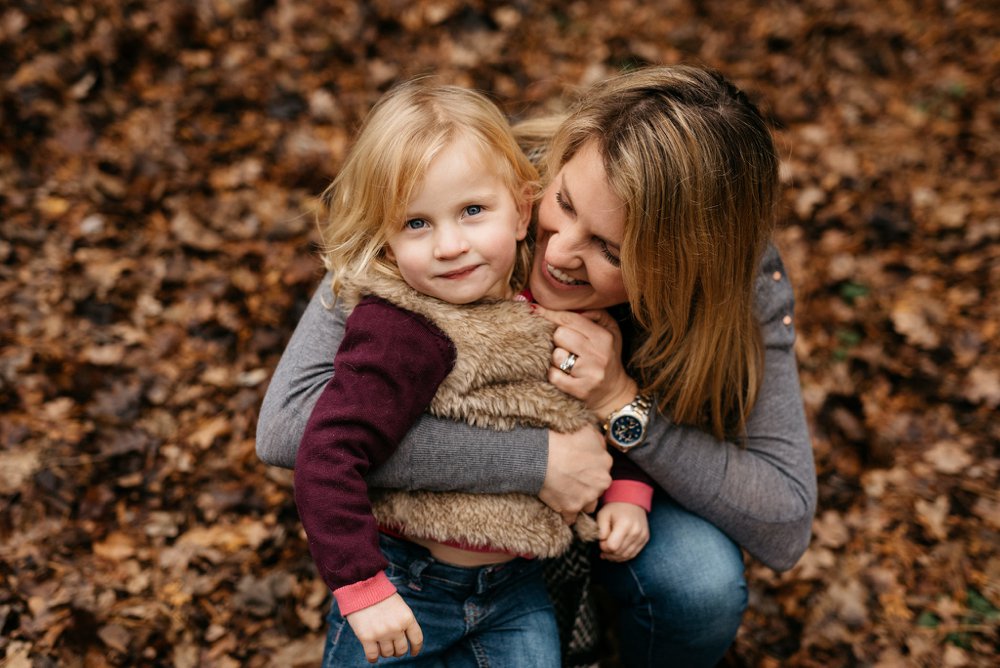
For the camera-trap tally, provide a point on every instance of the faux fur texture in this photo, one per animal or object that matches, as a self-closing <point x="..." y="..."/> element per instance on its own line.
<point x="499" y="382"/>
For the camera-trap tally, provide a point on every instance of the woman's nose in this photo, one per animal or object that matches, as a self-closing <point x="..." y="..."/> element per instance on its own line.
<point x="563" y="247"/>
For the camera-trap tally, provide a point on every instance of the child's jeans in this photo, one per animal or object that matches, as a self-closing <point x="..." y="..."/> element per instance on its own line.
<point x="498" y="616"/>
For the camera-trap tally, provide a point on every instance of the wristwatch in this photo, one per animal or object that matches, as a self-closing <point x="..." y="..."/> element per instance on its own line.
<point x="626" y="427"/>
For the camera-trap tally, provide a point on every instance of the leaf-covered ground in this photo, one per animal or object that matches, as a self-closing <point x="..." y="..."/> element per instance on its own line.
<point x="158" y="164"/>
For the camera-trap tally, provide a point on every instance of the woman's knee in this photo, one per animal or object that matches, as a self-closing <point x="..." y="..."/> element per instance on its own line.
<point x="711" y="589"/>
<point x="688" y="570"/>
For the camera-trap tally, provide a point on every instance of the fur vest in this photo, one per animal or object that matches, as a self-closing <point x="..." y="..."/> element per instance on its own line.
<point x="498" y="382"/>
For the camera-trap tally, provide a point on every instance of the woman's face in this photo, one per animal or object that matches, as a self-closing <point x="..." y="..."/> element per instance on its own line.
<point x="577" y="263"/>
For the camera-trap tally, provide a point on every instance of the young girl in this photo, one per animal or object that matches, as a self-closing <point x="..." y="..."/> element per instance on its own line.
<point x="425" y="239"/>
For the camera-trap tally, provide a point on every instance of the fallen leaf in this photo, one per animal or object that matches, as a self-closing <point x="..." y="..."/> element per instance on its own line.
<point x="933" y="516"/>
<point x="115" y="636"/>
<point x="983" y="386"/>
<point x="118" y="546"/>
<point x="830" y="529"/>
<point x="204" y="436"/>
<point x="948" y="457"/>
<point x="17" y="466"/>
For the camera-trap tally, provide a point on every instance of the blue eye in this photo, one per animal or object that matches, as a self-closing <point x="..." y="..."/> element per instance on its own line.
<point x="473" y="210"/>
<point x="415" y="224"/>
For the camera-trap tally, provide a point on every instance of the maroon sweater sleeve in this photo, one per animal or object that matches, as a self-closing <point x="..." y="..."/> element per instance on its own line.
<point x="386" y="372"/>
<point x="623" y="468"/>
<point x="629" y="483"/>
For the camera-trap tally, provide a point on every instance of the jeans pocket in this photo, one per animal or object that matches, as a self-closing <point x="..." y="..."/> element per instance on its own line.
<point x="398" y="575"/>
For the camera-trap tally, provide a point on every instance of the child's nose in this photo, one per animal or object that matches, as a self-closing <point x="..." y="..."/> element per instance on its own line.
<point x="450" y="242"/>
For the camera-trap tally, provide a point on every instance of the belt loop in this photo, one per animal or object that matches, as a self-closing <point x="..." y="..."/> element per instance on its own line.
<point x="417" y="567"/>
<point x="487" y="577"/>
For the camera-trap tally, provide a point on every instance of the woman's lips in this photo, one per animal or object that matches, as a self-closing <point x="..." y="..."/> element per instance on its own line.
<point x="561" y="277"/>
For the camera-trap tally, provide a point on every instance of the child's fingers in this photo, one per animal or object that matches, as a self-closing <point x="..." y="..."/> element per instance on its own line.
<point x="371" y="649"/>
<point x="400" y="646"/>
<point x="613" y="542"/>
<point x="387" y="647"/>
<point x="416" y="637"/>
<point x="603" y="525"/>
<point x="624" y="543"/>
<point x="636" y="542"/>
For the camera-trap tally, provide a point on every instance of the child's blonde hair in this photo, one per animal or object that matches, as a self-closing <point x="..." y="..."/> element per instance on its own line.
<point x="404" y="131"/>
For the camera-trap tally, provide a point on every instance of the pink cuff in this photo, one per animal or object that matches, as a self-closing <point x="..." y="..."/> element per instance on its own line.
<point x="364" y="594"/>
<point x="629" y="491"/>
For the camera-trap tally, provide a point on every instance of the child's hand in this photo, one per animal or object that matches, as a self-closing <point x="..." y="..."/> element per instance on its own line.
<point x="623" y="530"/>
<point x="385" y="628"/>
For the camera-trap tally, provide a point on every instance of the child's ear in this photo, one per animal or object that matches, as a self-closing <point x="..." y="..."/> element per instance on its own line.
<point x="387" y="249"/>
<point x="524" y="213"/>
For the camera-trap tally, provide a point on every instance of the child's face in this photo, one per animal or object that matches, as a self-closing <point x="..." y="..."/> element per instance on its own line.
<point x="459" y="239"/>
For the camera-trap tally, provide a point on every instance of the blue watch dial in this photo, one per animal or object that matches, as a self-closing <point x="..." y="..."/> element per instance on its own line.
<point x="626" y="429"/>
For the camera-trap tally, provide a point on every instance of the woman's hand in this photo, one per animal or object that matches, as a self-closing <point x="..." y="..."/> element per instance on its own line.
<point x="597" y="376"/>
<point x="578" y="472"/>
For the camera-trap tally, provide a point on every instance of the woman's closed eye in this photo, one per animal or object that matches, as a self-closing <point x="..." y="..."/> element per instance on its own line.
<point x="612" y="259"/>
<point x="563" y="204"/>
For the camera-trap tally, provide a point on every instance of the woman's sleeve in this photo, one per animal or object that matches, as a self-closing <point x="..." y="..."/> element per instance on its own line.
<point x="437" y="454"/>
<point x="763" y="495"/>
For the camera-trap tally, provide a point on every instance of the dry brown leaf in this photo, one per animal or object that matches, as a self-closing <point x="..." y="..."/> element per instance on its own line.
<point x="830" y="529"/>
<point x="209" y="430"/>
<point x="115" y="636"/>
<point x="301" y="653"/>
<point x="933" y="517"/>
<point x="983" y="386"/>
<point x="118" y="546"/>
<point x="915" y="318"/>
<point x="16" y="467"/>
<point x="948" y="457"/>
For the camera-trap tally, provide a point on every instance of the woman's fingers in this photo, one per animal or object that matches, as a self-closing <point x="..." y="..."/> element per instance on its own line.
<point x="578" y="471"/>
<point x="599" y="317"/>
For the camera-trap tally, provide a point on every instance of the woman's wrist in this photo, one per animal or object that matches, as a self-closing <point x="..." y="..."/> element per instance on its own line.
<point x="615" y="400"/>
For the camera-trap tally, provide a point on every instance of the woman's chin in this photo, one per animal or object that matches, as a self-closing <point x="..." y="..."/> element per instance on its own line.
<point x="560" y="297"/>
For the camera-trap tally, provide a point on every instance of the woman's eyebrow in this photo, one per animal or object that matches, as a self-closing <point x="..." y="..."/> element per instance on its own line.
<point x="564" y="193"/>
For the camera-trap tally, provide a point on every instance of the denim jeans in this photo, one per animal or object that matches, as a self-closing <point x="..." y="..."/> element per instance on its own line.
<point x="498" y="616"/>
<point x="681" y="600"/>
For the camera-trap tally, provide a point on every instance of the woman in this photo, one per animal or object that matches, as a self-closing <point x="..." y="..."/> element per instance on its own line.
<point x="653" y="257"/>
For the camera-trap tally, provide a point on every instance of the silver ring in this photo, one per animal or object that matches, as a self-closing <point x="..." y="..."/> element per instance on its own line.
<point x="568" y="363"/>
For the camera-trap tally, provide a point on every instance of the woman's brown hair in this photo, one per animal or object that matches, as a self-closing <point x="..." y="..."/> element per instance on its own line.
<point x="696" y="166"/>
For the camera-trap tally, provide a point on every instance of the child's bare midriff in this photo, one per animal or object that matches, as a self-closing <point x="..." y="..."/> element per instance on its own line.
<point x="456" y="556"/>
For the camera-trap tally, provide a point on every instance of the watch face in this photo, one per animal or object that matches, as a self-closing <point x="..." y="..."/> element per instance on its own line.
<point x="626" y="429"/>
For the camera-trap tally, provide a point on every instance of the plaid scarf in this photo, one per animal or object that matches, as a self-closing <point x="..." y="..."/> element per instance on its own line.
<point x="568" y="580"/>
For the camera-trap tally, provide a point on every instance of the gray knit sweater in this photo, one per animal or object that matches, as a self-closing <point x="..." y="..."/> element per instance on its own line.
<point x="762" y="493"/>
